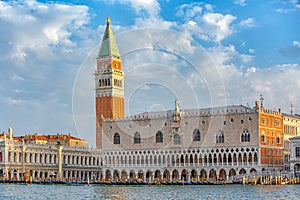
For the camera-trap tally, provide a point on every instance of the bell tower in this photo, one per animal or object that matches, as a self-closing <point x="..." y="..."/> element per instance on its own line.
<point x="109" y="82"/>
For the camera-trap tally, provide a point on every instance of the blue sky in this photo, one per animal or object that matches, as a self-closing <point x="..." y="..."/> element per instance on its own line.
<point x="204" y="53"/>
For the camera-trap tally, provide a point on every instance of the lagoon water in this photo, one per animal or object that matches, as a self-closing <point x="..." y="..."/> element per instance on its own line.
<point x="15" y="192"/>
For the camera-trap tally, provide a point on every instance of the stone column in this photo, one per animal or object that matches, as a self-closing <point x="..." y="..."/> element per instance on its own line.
<point x="23" y="161"/>
<point x="60" y="148"/>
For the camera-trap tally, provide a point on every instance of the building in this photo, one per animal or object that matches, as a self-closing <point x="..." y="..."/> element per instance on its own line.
<point x="271" y="138"/>
<point x="61" y="139"/>
<point x="190" y="145"/>
<point x="291" y="128"/>
<point x="295" y="155"/>
<point x="50" y="157"/>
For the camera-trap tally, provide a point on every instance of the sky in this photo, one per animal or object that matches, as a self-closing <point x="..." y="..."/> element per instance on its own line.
<point x="203" y="53"/>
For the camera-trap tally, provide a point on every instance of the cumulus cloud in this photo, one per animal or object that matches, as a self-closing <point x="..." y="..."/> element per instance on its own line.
<point x="244" y="84"/>
<point x="189" y="11"/>
<point x="219" y="25"/>
<point x="249" y="22"/>
<point x="205" y="24"/>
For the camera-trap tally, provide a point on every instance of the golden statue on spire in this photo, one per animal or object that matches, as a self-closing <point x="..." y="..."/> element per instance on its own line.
<point x="107" y="20"/>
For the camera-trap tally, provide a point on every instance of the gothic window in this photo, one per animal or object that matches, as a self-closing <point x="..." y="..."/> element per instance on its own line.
<point x="263" y="137"/>
<point x="116" y="138"/>
<point x="297" y="151"/>
<point x="137" y="138"/>
<point x="177" y="139"/>
<point x="196" y="135"/>
<point x="245" y="136"/>
<point x="159" y="137"/>
<point x="220" y="137"/>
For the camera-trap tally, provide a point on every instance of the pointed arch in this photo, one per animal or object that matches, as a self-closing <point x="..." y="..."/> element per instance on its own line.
<point x="245" y="136"/>
<point x="203" y="174"/>
<point x="117" y="138"/>
<point x="159" y="138"/>
<point x="175" y="175"/>
<point x="166" y="175"/>
<point x="137" y="138"/>
<point x="196" y="135"/>
<point x="213" y="175"/>
<point x="222" y="174"/>
<point x="193" y="175"/>
<point x="220" y="137"/>
<point x="232" y="173"/>
<point x="184" y="175"/>
<point x="177" y="139"/>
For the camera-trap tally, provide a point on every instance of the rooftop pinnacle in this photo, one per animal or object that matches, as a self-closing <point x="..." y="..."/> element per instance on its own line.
<point x="108" y="46"/>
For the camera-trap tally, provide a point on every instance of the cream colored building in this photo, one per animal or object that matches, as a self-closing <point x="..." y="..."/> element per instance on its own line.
<point x="45" y="160"/>
<point x="291" y="128"/>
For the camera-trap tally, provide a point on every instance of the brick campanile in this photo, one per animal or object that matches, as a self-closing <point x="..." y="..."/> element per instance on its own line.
<point x="109" y="82"/>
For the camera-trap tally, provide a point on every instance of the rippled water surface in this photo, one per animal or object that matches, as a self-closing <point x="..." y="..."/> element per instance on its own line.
<point x="12" y="191"/>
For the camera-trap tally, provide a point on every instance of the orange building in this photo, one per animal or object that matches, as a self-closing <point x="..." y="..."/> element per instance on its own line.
<point x="109" y="79"/>
<point x="58" y="139"/>
<point x="271" y="137"/>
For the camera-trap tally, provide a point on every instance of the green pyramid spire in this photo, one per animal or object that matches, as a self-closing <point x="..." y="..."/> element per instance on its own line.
<point x="108" y="45"/>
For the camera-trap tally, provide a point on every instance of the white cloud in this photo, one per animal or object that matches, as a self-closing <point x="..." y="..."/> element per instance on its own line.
<point x="249" y="22"/>
<point x="289" y="6"/>
<point x="192" y="23"/>
<point x="205" y="24"/>
<point x="189" y="11"/>
<point x="296" y="43"/>
<point x="209" y="7"/>
<point x="218" y="25"/>
<point x="251" y="51"/>
<point x="11" y="101"/>
<point x="240" y="2"/>
<point x="246" y="58"/>
<point x="248" y="82"/>
<point x="17" y="78"/>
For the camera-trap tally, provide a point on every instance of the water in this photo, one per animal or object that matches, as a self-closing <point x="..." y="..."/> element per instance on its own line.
<point x="15" y="192"/>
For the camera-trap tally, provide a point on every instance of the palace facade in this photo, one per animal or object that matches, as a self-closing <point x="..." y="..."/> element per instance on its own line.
<point x="190" y="145"/>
